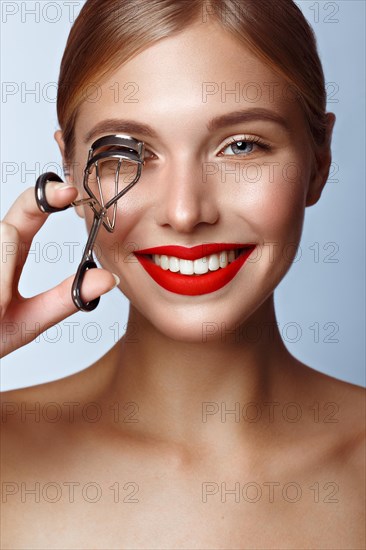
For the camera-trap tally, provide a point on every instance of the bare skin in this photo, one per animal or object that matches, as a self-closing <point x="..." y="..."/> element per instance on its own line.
<point x="151" y="418"/>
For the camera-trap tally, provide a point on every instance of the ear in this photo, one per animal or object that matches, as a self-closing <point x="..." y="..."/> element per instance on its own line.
<point x="322" y="163"/>
<point x="68" y="170"/>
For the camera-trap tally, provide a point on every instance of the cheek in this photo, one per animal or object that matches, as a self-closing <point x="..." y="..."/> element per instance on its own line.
<point x="271" y="200"/>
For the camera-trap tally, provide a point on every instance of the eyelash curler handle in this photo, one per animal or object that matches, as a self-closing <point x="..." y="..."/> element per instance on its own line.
<point x="41" y="194"/>
<point x="87" y="261"/>
<point x="76" y="286"/>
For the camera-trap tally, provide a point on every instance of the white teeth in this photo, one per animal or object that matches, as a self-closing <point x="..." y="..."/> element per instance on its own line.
<point x="174" y="264"/>
<point x="200" y="266"/>
<point x="223" y="259"/>
<point x="197" y="267"/>
<point x="213" y="262"/>
<point x="164" y="262"/>
<point x="186" y="267"/>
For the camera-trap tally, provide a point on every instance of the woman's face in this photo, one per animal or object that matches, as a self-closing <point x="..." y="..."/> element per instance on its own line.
<point x="203" y="180"/>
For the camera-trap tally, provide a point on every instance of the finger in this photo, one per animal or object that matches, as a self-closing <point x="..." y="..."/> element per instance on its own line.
<point x="45" y="310"/>
<point x="9" y="247"/>
<point x="25" y="215"/>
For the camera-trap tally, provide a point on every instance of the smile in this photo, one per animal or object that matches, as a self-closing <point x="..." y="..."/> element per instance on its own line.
<point x="194" y="271"/>
<point x="196" y="267"/>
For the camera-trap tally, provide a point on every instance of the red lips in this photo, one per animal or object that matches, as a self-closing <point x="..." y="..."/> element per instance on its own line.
<point x="199" y="251"/>
<point x="193" y="285"/>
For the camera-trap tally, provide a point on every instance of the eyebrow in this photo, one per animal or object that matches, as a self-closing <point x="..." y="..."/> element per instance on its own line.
<point x="131" y="127"/>
<point x="116" y="125"/>
<point x="247" y="115"/>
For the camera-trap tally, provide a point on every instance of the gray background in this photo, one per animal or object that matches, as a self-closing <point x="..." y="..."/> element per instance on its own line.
<point x="320" y="303"/>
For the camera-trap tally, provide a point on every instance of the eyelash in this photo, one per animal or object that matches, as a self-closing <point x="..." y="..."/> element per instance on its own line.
<point x="245" y="139"/>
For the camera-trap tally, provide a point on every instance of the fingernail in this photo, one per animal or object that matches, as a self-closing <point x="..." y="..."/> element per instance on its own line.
<point x="117" y="279"/>
<point x="62" y="185"/>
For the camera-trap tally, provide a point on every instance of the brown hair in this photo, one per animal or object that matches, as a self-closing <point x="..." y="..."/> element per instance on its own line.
<point x="109" y="33"/>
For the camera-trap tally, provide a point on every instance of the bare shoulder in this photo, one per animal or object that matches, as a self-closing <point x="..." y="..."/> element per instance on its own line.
<point x="313" y="383"/>
<point x="352" y="404"/>
<point x="350" y="398"/>
<point x="341" y="407"/>
<point x="352" y="407"/>
<point x="81" y="387"/>
<point x="45" y="410"/>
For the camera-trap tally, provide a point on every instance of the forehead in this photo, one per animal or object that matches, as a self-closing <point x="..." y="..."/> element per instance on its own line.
<point x="201" y="71"/>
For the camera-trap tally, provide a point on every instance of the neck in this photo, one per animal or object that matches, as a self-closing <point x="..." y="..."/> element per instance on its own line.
<point x="194" y="393"/>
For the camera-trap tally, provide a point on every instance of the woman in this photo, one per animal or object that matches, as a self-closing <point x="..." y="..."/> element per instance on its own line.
<point x="195" y="434"/>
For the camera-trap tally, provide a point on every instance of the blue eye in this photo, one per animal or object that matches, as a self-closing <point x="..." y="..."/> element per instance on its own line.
<point x="243" y="147"/>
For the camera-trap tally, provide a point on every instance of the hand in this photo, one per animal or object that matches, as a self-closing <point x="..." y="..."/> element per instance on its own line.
<point x="23" y="319"/>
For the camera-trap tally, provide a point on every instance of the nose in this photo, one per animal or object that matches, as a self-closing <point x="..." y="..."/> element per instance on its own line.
<point x="185" y="200"/>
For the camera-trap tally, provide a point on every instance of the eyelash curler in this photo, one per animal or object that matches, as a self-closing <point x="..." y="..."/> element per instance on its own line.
<point x="121" y="148"/>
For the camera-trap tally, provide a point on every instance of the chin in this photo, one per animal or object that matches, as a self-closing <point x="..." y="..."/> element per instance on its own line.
<point x="216" y="322"/>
